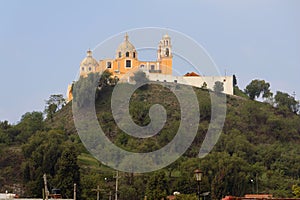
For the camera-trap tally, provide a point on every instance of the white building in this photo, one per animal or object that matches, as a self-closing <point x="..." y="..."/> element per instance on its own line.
<point x="196" y="81"/>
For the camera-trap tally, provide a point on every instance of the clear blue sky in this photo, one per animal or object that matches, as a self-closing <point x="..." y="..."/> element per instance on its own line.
<point x="43" y="42"/>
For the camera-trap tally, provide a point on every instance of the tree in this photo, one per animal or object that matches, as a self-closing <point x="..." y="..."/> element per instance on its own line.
<point x="89" y="88"/>
<point x="258" y="87"/>
<point x="6" y="135"/>
<point x="54" y="103"/>
<point x="234" y="81"/>
<point x="296" y="191"/>
<point x="106" y="79"/>
<point x="85" y="88"/>
<point x="4" y="125"/>
<point x="219" y="87"/>
<point x="30" y="123"/>
<point x="156" y="187"/>
<point x="68" y="172"/>
<point x="140" y="78"/>
<point x="286" y="101"/>
<point x="204" y="86"/>
<point x="41" y="152"/>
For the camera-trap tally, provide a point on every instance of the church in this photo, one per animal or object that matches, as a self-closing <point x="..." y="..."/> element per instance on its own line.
<point x="126" y="61"/>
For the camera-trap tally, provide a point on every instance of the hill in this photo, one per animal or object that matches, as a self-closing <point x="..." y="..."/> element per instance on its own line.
<point x="258" y="150"/>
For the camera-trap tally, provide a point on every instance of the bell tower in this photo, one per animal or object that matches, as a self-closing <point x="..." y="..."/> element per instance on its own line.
<point x="164" y="54"/>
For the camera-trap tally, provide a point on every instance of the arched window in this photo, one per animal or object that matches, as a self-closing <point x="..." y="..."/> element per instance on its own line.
<point x="167" y="42"/>
<point x="82" y="68"/>
<point x="120" y="54"/>
<point x="127" y="54"/>
<point x="108" y="65"/>
<point x="167" y="52"/>
<point x="90" y="68"/>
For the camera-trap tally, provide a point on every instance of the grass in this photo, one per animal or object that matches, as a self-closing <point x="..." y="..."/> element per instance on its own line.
<point x="86" y="160"/>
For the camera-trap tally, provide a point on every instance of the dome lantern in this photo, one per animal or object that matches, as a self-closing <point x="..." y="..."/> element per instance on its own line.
<point x="126" y="48"/>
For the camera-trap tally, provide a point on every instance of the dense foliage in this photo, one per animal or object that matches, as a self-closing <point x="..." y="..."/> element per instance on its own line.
<point x="258" y="150"/>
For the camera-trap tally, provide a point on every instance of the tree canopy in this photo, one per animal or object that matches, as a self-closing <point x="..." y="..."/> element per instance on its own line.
<point x="54" y="103"/>
<point x="284" y="100"/>
<point x="258" y="87"/>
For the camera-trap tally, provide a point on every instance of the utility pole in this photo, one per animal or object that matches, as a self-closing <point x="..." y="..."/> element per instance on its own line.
<point x="45" y="185"/>
<point x="252" y="183"/>
<point x="74" y="191"/>
<point x="256" y="184"/>
<point x="98" y="190"/>
<point x="117" y="182"/>
<point x="110" y="194"/>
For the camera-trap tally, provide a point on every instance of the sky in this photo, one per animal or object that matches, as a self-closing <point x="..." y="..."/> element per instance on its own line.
<point x="43" y="42"/>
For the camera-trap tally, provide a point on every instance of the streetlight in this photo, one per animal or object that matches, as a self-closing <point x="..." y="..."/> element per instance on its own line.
<point x="252" y="181"/>
<point x="198" y="175"/>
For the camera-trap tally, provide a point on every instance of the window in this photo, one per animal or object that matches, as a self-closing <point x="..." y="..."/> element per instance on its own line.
<point x="108" y="65"/>
<point x="128" y="63"/>
<point x="90" y="68"/>
<point x="152" y="67"/>
<point x="167" y="51"/>
<point x="142" y="66"/>
<point x="133" y="54"/>
<point x="127" y="54"/>
<point x="120" y="54"/>
<point x="175" y="81"/>
<point x="82" y="68"/>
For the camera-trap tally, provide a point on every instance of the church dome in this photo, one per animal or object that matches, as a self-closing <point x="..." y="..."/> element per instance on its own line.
<point x="125" y="46"/>
<point x="89" y="60"/>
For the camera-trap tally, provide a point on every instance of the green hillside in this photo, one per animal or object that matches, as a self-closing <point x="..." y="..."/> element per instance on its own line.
<point x="258" y="151"/>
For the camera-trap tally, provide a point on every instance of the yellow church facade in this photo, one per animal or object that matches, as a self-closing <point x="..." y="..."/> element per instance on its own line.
<point x="126" y="61"/>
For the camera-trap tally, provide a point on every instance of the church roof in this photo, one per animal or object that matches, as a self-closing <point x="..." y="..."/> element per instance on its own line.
<point x="126" y="46"/>
<point x="89" y="60"/>
<point x="191" y="74"/>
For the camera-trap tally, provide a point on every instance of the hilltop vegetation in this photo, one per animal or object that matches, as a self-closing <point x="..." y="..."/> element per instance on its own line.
<point x="258" y="150"/>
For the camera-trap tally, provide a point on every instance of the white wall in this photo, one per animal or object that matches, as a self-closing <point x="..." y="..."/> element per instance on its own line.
<point x="10" y="196"/>
<point x="196" y="81"/>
